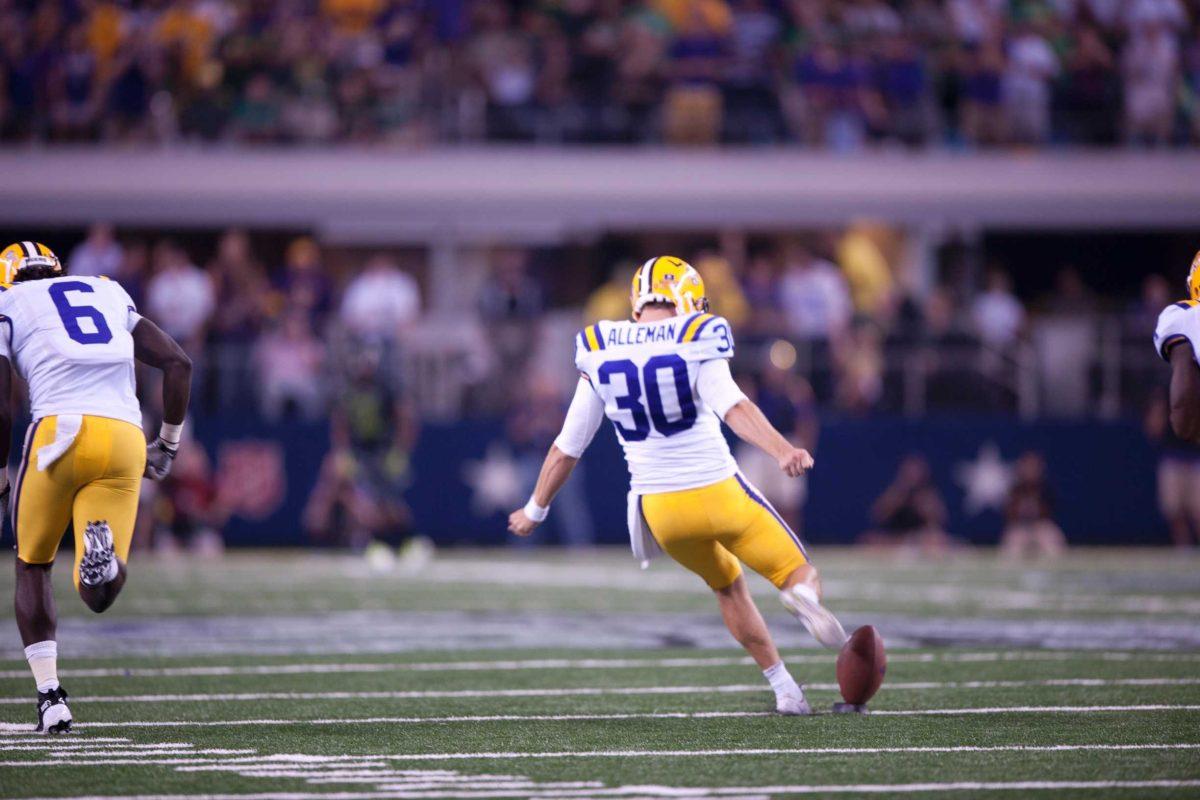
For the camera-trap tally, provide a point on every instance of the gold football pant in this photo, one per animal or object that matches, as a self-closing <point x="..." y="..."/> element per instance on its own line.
<point x="710" y="528"/>
<point x="97" y="479"/>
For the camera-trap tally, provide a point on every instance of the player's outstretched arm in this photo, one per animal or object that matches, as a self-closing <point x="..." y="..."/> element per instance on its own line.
<point x="1185" y="392"/>
<point x="154" y="347"/>
<point x="583" y="419"/>
<point x="751" y="425"/>
<point x="721" y="393"/>
<point x="555" y="470"/>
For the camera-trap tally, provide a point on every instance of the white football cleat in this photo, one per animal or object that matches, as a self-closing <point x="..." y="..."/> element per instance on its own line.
<point x="792" y="703"/>
<point x="804" y="604"/>
<point x="98" y="564"/>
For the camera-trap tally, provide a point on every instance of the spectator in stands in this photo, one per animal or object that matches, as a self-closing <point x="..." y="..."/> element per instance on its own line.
<point x="998" y="315"/>
<point x="288" y="361"/>
<point x="510" y="305"/>
<point x="1030" y="529"/>
<point x="815" y="295"/>
<point x="74" y="89"/>
<point x="1031" y="66"/>
<point x="910" y="513"/>
<point x="610" y="300"/>
<point x="257" y="117"/>
<point x="1071" y="297"/>
<point x="860" y="366"/>
<point x="760" y="286"/>
<point x="903" y="87"/>
<point x="180" y="296"/>
<point x="721" y="285"/>
<point x="752" y="112"/>
<point x="99" y="254"/>
<point x="951" y="348"/>
<point x="693" y="109"/>
<point x="1091" y="91"/>
<point x="981" y="108"/>
<point x="304" y="284"/>
<point x="788" y="402"/>
<point x="504" y="62"/>
<point x="1150" y="65"/>
<point x="381" y="301"/>
<point x="531" y="428"/>
<point x="1178" y="475"/>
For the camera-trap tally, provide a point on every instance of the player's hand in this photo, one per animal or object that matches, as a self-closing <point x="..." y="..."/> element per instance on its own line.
<point x="5" y="499"/>
<point x="159" y="457"/>
<point x="796" y="462"/>
<point x="520" y="524"/>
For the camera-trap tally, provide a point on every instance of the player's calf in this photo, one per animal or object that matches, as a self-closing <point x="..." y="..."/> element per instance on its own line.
<point x="101" y="573"/>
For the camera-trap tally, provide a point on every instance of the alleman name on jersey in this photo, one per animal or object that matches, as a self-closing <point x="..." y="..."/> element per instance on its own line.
<point x="1179" y="322"/>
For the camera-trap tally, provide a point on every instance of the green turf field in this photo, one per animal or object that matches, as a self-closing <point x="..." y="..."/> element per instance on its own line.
<point x="502" y="674"/>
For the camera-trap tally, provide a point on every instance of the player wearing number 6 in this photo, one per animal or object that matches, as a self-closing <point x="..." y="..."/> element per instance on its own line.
<point x="664" y="381"/>
<point x="74" y="341"/>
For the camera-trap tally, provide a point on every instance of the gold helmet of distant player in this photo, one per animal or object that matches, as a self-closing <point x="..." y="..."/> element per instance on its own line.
<point x="23" y="255"/>
<point x="667" y="279"/>
<point x="1194" y="278"/>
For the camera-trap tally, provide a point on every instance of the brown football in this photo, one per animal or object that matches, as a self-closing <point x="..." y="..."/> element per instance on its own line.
<point x="861" y="665"/>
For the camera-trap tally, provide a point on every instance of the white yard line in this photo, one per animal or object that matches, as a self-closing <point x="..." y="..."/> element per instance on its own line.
<point x="87" y="726"/>
<point x="698" y="791"/>
<point x="267" y="761"/>
<point x="583" y="663"/>
<point x="585" y="691"/>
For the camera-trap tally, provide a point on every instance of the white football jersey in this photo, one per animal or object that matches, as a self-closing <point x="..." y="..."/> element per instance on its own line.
<point x="1178" y="321"/>
<point x="69" y="338"/>
<point x="645" y="374"/>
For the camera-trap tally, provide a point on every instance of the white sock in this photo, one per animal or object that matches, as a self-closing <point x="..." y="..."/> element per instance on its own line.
<point x="43" y="660"/>
<point x="780" y="679"/>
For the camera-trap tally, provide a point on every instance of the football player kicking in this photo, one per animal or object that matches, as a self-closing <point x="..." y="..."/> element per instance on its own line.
<point x="74" y="341"/>
<point x="664" y="381"/>
<point x="1177" y="340"/>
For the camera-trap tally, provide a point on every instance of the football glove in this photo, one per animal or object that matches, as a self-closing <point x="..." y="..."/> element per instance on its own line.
<point x="5" y="499"/>
<point x="159" y="457"/>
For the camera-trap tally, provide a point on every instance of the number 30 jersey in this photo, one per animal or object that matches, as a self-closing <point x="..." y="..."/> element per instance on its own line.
<point x="69" y="338"/>
<point x="646" y="376"/>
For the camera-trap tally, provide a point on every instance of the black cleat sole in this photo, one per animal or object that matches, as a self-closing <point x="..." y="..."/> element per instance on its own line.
<point x="60" y="727"/>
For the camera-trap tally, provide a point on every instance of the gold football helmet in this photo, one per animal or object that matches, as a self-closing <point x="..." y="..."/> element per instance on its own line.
<point x="667" y="279"/>
<point x="22" y="255"/>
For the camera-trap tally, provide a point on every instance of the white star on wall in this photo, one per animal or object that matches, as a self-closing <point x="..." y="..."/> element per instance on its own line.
<point x="495" y="481"/>
<point x="986" y="480"/>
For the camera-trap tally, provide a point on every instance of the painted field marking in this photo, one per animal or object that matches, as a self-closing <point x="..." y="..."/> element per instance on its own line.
<point x="223" y="723"/>
<point x="584" y="663"/>
<point x="589" y="691"/>
<point x="701" y="792"/>
<point x="265" y="761"/>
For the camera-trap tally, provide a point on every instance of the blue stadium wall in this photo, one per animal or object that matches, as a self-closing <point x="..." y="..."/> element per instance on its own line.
<point x="1103" y="475"/>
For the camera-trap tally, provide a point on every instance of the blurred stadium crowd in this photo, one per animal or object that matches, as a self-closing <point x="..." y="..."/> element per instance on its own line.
<point x="843" y="74"/>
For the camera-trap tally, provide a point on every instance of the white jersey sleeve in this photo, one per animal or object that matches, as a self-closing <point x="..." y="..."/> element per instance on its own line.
<point x="717" y="388"/>
<point x="583" y="420"/>
<point x="1179" y="322"/>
